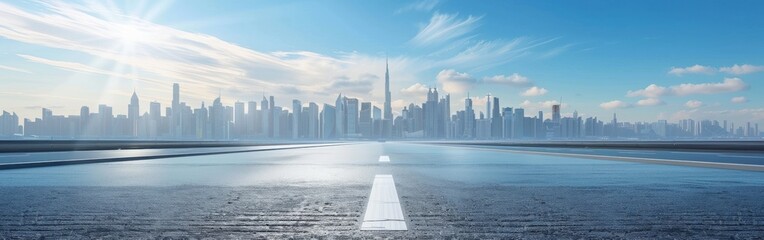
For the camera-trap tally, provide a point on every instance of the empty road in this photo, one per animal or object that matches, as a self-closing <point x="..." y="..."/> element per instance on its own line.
<point x="392" y="189"/>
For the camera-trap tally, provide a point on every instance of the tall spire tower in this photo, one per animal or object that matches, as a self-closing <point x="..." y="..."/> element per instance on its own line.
<point x="388" y="109"/>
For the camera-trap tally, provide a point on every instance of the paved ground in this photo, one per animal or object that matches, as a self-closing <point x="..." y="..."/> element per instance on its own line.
<point x="322" y="192"/>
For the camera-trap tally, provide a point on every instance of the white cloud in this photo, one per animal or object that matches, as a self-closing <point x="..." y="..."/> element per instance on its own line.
<point x="694" y="104"/>
<point x="444" y="27"/>
<point x="679" y="71"/>
<point x="741" y="69"/>
<point x="647" y="102"/>
<point x="615" y="104"/>
<point x="421" y="5"/>
<point x="651" y="91"/>
<point x="141" y="53"/>
<point x="546" y="106"/>
<point x="729" y="85"/>
<point x="14" y="69"/>
<point x="655" y="91"/>
<point x="483" y="54"/>
<point x="534" y="91"/>
<point x="740" y="99"/>
<point x="511" y="80"/>
<point x="415" y="89"/>
<point x="455" y="82"/>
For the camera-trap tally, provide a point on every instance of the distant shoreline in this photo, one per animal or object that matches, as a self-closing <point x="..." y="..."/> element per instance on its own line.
<point x="16" y="146"/>
<point x="749" y="146"/>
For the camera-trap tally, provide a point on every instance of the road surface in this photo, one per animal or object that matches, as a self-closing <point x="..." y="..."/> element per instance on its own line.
<point x="348" y="190"/>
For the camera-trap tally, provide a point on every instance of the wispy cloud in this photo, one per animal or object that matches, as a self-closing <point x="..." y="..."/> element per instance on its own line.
<point x="695" y="69"/>
<point x="693" y="104"/>
<point x="615" y="104"/>
<point x="739" y="99"/>
<point x="444" y="27"/>
<point x="202" y="64"/>
<point x="515" y="80"/>
<point x="14" y="69"/>
<point x="741" y="69"/>
<point x="655" y="91"/>
<point x="649" y="102"/>
<point x="421" y="5"/>
<point x="732" y="70"/>
<point x="534" y="91"/>
<point x="416" y="89"/>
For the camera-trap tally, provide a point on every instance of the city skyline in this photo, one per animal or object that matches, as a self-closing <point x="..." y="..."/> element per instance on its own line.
<point x="351" y="119"/>
<point x="56" y="57"/>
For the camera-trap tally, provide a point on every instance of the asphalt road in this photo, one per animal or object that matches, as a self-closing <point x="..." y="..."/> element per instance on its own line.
<point x="443" y="191"/>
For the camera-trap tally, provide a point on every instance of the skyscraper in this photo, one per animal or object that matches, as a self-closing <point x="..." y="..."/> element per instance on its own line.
<point x="388" y="106"/>
<point x="312" y="120"/>
<point x="431" y="114"/>
<point x="133" y="113"/>
<point x="507" y="122"/>
<point x="469" y="118"/>
<point x="296" y="115"/>
<point x="488" y="106"/>
<point x="328" y="121"/>
<point x="518" y="124"/>
<point x="265" y="114"/>
<point x="175" y="126"/>
<point x="339" y="128"/>
<point x="364" y="120"/>
<point x="496" y="121"/>
<point x="238" y="118"/>
<point x="351" y="116"/>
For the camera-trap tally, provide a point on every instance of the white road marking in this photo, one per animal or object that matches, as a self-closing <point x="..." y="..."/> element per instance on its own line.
<point x="384" y="209"/>
<point x="384" y="158"/>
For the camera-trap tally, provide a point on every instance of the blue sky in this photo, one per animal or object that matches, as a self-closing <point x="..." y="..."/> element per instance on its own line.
<point x="645" y="60"/>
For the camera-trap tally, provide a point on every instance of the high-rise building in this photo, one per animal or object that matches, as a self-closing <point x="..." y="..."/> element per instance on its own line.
<point x="313" y="127"/>
<point x="469" y="118"/>
<point x="265" y="113"/>
<point x="175" y="126"/>
<point x="507" y="122"/>
<point x="328" y="121"/>
<point x="238" y="119"/>
<point x="133" y="113"/>
<point x="296" y="116"/>
<point x="339" y="105"/>
<point x="351" y="116"/>
<point x="253" y="118"/>
<point x="9" y="124"/>
<point x="202" y="124"/>
<point x="431" y="115"/>
<point x="84" y="121"/>
<point x="106" y="116"/>
<point x="488" y="106"/>
<point x="388" y="101"/>
<point x="218" y="120"/>
<point x="365" y="120"/>
<point x="496" y="120"/>
<point x="556" y="113"/>
<point x="518" y="124"/>
<point x="276" y="122"/>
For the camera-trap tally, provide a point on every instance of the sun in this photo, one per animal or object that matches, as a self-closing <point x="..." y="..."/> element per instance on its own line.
<point x="130" y="35"/>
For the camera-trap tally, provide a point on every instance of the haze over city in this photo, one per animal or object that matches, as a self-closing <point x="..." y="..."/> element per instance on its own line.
<point x="57" y="55"/>
<point x="377" y="119"/>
